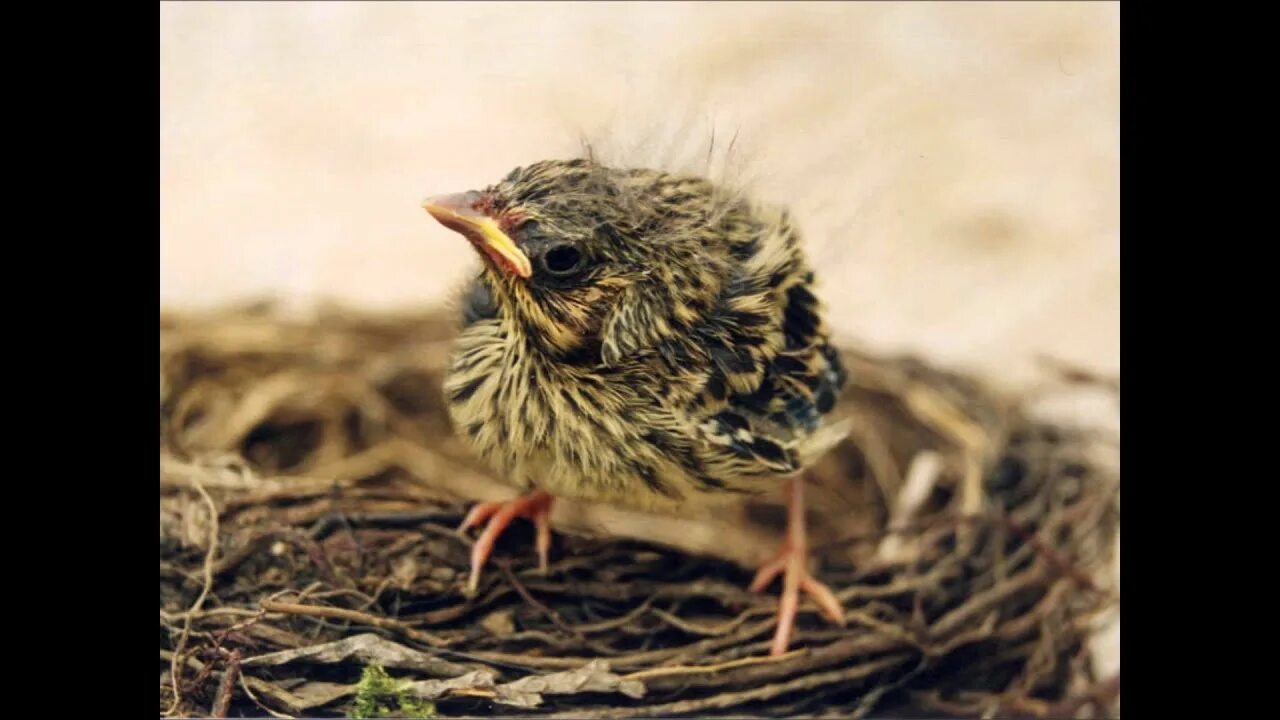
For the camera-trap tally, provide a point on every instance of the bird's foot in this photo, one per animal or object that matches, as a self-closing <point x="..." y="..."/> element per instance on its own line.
<point x="793" y="558"/>
<point x="535" y="506"/>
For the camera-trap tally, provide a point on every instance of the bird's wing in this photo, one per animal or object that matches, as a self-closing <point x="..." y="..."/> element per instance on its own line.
<point x="773" y="373"/>
<point x="779" y="428"/>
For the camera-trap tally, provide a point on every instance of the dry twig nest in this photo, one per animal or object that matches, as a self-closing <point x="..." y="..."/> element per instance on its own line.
<point x="310" y="484"/>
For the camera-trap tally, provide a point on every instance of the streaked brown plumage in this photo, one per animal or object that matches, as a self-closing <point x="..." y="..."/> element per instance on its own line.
<point x="639" y="338"/>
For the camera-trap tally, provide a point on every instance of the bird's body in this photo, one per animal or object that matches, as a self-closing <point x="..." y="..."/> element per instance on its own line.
<point x="701" y="374"/>
<point x="642" y="339"/>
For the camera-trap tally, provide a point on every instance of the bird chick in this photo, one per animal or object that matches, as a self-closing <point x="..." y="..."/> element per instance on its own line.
<point x="644" y="339"/>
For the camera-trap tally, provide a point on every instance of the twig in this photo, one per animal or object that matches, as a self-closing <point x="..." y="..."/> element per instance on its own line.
<point x="215" y="612"/>
<point x="922" y="476"/>
<point x="1053" y="556"/>
<point x="732" y="699"/>
<point x="355" y="617"/>
<point x="229" y="676"/>
<point x="245" y="681"/>
<point x="606" y="625"/>
<point x="717" y="631"/>
<point x="552" y="615"/>
<point x="199" y="603"/>
<point x="704" y="669"/>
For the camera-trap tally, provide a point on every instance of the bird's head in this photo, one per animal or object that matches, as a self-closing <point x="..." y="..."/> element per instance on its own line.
<point x="601" y="263"/>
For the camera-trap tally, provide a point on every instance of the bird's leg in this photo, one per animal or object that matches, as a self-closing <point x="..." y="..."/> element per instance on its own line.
<point x="535" y="506"/>
<point x="793" y="557"/>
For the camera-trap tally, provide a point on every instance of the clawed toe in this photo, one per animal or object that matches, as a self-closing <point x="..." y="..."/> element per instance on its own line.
<point x="535" y="506"/>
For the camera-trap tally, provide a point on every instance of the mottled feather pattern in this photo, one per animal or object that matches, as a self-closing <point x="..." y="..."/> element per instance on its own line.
<point x="687" y="358"/>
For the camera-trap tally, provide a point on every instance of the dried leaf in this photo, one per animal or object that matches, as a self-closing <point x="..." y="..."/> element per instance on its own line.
<point x="592" y="677"/>
<point x="464" y="685"/>
<point x="527" y="692"/>
<point x="364" y="648"/>
<point x="315" y="694"/>
<point x="285" y="699"/>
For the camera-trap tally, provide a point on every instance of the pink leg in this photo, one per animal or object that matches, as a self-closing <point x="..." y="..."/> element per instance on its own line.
<point x="535" y="506"/>
<point x="793" y="557"/>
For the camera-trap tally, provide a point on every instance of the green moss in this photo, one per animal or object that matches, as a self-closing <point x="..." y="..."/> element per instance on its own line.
<point x="378" y="695"/>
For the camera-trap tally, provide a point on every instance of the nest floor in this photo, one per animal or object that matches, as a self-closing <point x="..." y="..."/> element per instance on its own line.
<point x="310" y="487"/>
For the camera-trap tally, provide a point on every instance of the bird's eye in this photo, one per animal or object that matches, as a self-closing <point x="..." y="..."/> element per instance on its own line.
<point x="562" y="260"/>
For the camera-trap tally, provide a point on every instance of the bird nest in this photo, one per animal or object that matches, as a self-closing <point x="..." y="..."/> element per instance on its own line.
<point x="310" y="487"/>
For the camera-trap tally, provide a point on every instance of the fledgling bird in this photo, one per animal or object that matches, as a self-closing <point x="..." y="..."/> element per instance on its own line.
<point x="644" y="339"/>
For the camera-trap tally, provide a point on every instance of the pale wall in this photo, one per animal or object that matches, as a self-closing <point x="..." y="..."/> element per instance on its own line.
<point x="956" y="166"/>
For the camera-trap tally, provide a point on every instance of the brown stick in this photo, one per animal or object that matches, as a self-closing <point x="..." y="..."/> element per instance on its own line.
<point x="356" y="617"/>
<point x="222" y="703"/>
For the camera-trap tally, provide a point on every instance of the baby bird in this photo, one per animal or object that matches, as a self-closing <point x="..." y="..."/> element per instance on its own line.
<point x="640" y="338"/>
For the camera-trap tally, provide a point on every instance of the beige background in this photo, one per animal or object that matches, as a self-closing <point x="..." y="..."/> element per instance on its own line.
<point x="955" y="166"/>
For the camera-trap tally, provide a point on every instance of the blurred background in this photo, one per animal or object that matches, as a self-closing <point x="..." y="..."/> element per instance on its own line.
<point x="955" y="166"/>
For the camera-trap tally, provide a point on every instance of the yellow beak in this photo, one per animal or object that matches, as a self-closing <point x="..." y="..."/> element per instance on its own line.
<point x="457" y="212"/>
